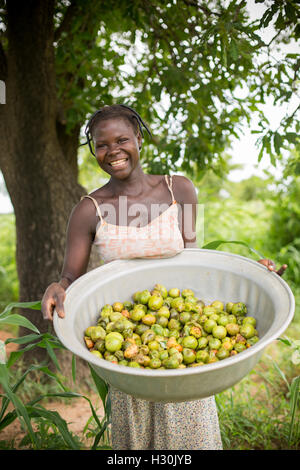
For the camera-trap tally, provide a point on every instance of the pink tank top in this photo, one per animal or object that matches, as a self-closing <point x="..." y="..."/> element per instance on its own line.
<point x="161" y="238"/>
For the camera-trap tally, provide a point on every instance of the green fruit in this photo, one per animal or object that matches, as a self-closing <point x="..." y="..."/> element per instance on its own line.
<point x="144" y="296"/>
<point x="239" y="347"/>
<point x="137" y="313"/>
<point x="184" y="317"/>
<point x="155" y="302"/>
<point x="223" y="320"/>
<point x="171" y="362"/>
<point x="202" y="356"/>
<point x="178" y="303"/>
<point x="239" y="309"/>
<point x="149" y="319"/>
<point x="98" y="333"/>
<point x="163" y="311"/>
<point x="252" y="340"/>
<point x="232" y="319"/>
<point x="113" y="343"/>
<point x="218" y="305"/>
<point x="158" y="329"/>
<point x="97" y="353"/>
<point x="128" y="305"/>
<point x="136" y="296"/>
<point x="174" y="292"/>
<point x="162" y="321"/>
<point x="196" y="331"/>
<point x="123" y="363"/>
<point x="174" y="324"/>
<point x="118" y="306"/>
<point x="189" y="342"/>
<point x="214" y="343"/>
<point x="163" y="291"/>
<point x="250" y="320"/>
<point x="209" y="310"/>
<point x="89" y="330"/>
<point x="154" y="363"/>
<point x="247" y="330"/>
<point x="163" y="355"/>
<point x="114" y="316"/>
<point x="202" y="342"/>
<point x="219" y="331"/>
<point x="134" y="364"/>
<point x="232" y="329"/>
<point x="209" y="325"/>
<point x="153" y="345"/>
<point x="100" y="345"/>
<point x="222" y="353"/>
<point x="187" y="293"/>
<point x="189" y="355"/>
<point x="229" y="306"/>
<point x="147" y="336"/>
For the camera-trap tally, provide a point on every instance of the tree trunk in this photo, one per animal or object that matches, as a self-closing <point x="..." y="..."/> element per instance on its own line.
<point x="38" y="165"/>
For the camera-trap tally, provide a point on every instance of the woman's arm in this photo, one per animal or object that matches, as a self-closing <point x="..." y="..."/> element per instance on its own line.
<point x="186" y="196"/>
<point x="79" y="239"/>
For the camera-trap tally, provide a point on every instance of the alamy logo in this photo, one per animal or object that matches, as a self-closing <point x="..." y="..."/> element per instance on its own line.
<point x="2" y="92"/>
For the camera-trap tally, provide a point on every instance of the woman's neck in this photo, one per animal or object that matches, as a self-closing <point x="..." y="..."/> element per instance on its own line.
<point x="132" y="186"/>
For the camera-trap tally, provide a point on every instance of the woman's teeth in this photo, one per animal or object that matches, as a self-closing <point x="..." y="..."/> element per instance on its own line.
<point x="119" y="163"/>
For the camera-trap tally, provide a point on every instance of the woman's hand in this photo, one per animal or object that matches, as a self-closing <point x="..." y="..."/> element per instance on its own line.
<point x="271" y="266"/>
<point x="53" y="298"/>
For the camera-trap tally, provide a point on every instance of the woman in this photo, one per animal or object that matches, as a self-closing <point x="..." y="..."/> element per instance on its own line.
<point x="115" y="138"/>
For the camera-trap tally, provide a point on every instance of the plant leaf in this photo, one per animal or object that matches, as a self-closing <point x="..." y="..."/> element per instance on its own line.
<point x="16" y="319"/>
<point x="214" y="245"/>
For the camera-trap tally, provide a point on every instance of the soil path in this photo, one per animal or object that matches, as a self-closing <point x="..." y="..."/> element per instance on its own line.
<point x="76" y="412"/>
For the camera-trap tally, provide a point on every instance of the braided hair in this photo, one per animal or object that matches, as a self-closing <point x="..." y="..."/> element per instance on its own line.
<point x="115" y="111"/>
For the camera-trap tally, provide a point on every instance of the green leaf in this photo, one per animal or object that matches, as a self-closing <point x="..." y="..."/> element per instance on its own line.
<point x="60" y="423"/>
<point x="36" y="305"/>
<point x="74" y="368"/>
<point x="15" y="319"/>
<point x="294" y="388"/>
<point x="277" y="140"/>
<point x="101" y="386"/>
<point x="19" y="406"/>
<point x="214" y="245"/>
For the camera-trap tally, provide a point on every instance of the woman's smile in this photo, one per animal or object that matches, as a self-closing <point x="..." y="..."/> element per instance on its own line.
<point x="119" y="163"/>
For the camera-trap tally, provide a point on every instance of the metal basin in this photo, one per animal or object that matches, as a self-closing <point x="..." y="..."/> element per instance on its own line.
<point x="213" y="275"/>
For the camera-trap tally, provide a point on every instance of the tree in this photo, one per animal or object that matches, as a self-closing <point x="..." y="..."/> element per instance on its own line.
<point x="178" y="63"/>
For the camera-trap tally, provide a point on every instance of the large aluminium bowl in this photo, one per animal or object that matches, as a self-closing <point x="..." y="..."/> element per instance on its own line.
<point x="213" y="275"/>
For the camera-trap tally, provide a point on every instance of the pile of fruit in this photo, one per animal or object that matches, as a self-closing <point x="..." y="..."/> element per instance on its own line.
<point x="170" y="329"/>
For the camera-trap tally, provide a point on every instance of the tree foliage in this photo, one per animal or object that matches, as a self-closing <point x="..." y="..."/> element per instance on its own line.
<point x="180" y="64"/>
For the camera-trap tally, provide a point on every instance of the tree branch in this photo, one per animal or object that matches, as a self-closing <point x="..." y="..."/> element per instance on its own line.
<point x="71" y="13"/>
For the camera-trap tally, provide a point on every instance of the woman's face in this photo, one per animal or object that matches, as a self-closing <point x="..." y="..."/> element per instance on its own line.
<point x="116" y="147"/>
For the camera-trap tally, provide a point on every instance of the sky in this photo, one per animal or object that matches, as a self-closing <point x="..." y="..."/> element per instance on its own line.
<point x="244" y="150"/>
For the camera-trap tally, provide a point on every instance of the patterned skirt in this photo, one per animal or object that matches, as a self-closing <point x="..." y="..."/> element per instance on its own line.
<point x="140" y="424"/>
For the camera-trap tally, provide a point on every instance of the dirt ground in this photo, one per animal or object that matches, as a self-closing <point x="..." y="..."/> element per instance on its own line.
<point x="76" y="412"/>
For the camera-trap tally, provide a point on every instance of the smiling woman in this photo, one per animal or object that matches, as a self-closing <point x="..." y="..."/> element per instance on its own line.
<point x="115" y="135"/>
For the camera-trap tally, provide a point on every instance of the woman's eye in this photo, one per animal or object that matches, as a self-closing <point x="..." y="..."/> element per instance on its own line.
<point x="123" y="140"/>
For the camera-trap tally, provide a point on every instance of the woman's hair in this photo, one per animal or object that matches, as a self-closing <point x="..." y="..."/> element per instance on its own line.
<point x="112" y="112"/>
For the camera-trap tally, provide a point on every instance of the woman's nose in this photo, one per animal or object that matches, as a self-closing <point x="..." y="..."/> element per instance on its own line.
<point x="113" y="149"/>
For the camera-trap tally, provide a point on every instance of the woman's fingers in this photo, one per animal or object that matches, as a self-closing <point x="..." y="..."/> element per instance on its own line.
<point x="271" y="266"/>
<point x="281" y="270"/>
<point x="53" y="300"/>
<point x="60" y="297"/>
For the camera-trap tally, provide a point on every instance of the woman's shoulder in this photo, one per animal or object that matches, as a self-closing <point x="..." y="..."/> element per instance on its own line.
<point x="184" y="190"/>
